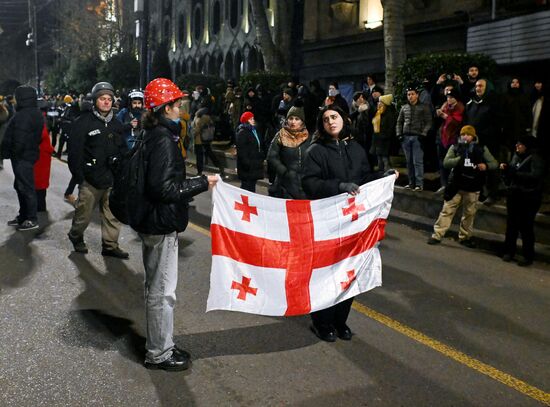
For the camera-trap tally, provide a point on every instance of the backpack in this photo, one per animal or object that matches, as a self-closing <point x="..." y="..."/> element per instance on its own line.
<point x="126" y="198"/>
<point x="207" y="133"/>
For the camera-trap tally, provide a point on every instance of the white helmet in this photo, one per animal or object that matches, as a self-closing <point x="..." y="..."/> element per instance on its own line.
<point x="136" y="94"/>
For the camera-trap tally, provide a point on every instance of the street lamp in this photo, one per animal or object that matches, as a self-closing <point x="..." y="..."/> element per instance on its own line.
<point x="32" y="40"/>
<point x="141" y="10"/>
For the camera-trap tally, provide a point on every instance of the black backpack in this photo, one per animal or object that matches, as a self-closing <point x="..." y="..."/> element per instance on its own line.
<point x="126" y="199"/>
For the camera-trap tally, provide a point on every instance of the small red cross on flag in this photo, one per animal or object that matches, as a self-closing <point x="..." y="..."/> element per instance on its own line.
<point x="351" y="278"/>
<point x="245" y="207"/>
<point x="353" y="210"/>
<point x="244" y="288"/>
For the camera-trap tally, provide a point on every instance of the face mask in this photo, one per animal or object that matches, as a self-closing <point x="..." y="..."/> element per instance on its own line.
<point x="196" y="95"/>
<point x="333" y="92"/>
<point x="463" y="140"/>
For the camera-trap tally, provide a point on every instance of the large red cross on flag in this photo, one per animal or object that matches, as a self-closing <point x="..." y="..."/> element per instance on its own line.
<point x="293" y="257"/>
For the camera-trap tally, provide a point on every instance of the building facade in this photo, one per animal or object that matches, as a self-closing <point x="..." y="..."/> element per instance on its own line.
<point x="343" y="39"/>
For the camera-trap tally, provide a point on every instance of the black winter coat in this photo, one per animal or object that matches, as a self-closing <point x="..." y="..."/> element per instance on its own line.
<point x="524" y="174"/>
<point x="167" y="191"/>
<point x="381" y="142"/>
<point x="93" y="146"/>
<point x="330" y="162"/>
<point x="24" y="130"/>
<point x="484" y="116"/>
<point x="250" y="154"/>
<point x="288" y="162"/>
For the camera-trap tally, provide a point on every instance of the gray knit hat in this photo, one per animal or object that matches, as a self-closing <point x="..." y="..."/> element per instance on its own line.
<point x="296" y="111"/>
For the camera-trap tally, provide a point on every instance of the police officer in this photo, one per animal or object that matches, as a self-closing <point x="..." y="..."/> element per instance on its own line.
<point x="97" y="142"/>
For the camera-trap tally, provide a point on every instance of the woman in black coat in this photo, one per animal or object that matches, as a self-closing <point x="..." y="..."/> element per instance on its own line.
<point x="334" y="163"/>
<point x="524" y="176"/>
<point x="286" y="155"/>
<point x="250" y="155"/>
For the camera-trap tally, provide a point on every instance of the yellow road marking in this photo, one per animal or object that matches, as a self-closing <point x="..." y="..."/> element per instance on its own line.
<point x="456" y="355"/>
<point x="446" y="350"/>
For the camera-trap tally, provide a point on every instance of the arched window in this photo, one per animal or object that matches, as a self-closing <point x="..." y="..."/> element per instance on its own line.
<point x="233" y="13"/>
<point x="166" y="30"/>
<point x="216" y="18"/>
<point x="197" y="24"/>
<point x="181" y="29"/>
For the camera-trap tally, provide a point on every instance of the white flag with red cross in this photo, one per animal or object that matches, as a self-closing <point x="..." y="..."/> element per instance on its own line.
<point x="275" y="256"/>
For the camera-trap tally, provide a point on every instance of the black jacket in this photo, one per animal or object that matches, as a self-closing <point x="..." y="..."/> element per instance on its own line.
<point x="250" y="155"/>
<point x="93" y="146"/>
<point x="484" y="116"/>
<point x="330" y="162"/>
<point x="167" y="192"/>
<point x="24" y="131"/>
<point x="288" y="162"/>
<point x="524" y="174"/>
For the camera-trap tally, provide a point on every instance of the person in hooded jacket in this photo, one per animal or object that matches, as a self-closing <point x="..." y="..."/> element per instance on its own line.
<point x="21" y="145"/>
<point x="334" y="163"/>
<point x="166" y="196"/>
<point x="287" y="155"/>
<point x="250" y="154"/>
<point x="470" y="162"/>
<point x="96" y="144"/>
<point x="524" y="176"/>
<point x="202" y="123"/>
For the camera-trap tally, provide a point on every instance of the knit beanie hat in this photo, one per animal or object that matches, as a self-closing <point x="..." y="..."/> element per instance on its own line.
<point x="246" y="116"/>
<point x="468" y="130"/>
<point x="386" y="99"/>
<point x="296" y="111"/>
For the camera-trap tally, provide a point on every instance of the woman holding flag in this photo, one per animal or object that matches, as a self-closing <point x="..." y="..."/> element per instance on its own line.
<point x="335" y="163"/>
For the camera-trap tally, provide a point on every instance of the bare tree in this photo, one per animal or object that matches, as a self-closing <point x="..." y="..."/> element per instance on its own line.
<point x="273" y="58"/>
<point x="394" y="39"/>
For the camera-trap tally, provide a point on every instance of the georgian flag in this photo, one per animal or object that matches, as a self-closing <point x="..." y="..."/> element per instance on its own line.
<point x="275" y="256"/>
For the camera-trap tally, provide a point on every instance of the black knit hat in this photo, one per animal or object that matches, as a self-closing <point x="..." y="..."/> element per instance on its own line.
<point x="529" y="142"/>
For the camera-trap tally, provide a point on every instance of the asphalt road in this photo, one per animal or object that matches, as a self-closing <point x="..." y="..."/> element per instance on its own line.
<point x="450" y="327"/>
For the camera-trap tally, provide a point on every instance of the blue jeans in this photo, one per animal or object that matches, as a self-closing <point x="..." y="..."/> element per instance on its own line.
<point x="160" y="260"/>
<point x="415" y="159"/>
<point x="23" y="172"/>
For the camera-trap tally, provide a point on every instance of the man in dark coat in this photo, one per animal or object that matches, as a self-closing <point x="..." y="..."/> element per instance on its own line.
<point x="21" y="145"/>
<point x="97" y="142"/>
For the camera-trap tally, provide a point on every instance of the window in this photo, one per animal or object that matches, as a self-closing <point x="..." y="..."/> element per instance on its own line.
<point x="181" y="29"/>
<point x="197" y="24"/>
<point x="216" y="18"/>
<point x="233" y="13"/>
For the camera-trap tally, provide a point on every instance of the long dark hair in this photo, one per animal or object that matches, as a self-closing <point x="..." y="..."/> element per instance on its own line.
<point x="150" y="118"/>
<point x="321" y="134"/>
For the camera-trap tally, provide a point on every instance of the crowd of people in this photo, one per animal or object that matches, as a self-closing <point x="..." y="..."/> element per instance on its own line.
<point x="313" y="144"/>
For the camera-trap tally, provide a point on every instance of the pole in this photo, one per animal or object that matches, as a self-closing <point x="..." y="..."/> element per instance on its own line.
<point x="36" y="64"/>
<point x="144" y="33"/>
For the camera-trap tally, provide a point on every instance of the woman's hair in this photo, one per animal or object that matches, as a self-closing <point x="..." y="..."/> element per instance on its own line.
<point x="150" y="118"/>
<point x="321" y="133"/>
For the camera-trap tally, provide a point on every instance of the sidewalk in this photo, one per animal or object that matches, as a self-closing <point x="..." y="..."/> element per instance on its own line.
<point x="419" y="210"/>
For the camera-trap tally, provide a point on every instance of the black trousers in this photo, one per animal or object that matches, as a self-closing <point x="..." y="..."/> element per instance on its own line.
<point x="205" y="150"/>
<point x="335" y="316"/>
<point x="249" y="185"/>
<point x="41" y="200"/>
<point x="24" y="186"/>
<point x="522" y="209"/>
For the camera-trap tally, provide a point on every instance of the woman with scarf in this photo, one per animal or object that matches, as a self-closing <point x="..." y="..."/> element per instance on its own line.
<point x="286" y="155"/>
<point x="250" y="155"/>
<point x="523" y="177"/>
<point x="452" y="114"/>
<point x="334" y="163"/>
<point x="383" y="123"/>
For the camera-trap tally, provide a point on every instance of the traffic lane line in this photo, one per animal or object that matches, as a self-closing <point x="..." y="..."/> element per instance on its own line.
<point x="448" y="351"/>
